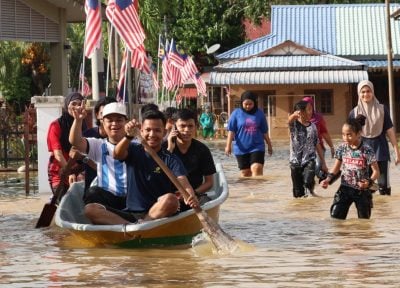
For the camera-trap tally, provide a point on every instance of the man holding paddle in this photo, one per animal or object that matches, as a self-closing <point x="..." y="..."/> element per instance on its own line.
<point x="150" y="191"/>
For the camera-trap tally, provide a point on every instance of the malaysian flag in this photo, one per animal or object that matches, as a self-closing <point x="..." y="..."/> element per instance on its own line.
<point x="179" y="98"/>
<point x="123" y="16"/>
<point x="200" y="84"/>
<point x="93" y="27"/>
<point x="189" y="69"/>
<point x="166" y="71"/>
<point x="155" y="80"/>
<point x="84" y="84"/>
<point x="139" y="59"/>
<point x="121" y="82"/>
<point x="86" y="90"/>
<point x="175" y="58"/>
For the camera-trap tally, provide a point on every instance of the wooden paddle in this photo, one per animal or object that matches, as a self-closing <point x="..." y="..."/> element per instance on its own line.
<point x="222" y="241"/>
<point x="49" y="209"/>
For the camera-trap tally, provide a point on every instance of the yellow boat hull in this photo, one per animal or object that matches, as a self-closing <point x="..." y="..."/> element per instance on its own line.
<point x="175" y="230"/>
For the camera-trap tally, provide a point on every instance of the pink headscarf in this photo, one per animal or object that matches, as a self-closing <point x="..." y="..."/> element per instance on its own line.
<point x="315" y="117"/>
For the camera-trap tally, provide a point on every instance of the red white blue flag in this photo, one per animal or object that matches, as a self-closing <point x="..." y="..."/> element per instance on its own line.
<point x="200" y="84"/>
<point x="123" y="16"/>
<point x="93" y="27"/>
<point x="122" y="75"/>
<point x="175" y="58"/>
<point x="139" y="59"/>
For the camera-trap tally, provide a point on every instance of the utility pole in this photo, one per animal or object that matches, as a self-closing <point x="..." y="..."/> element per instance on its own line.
<point x="390" y="64"/>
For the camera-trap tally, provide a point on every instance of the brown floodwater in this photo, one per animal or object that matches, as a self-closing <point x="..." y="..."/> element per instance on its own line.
<point x="290" y="242"/>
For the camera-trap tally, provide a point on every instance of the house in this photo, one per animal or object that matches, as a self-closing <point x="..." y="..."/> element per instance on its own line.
<point x="317" y="50"/>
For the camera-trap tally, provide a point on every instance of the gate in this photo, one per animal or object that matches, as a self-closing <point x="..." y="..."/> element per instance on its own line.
<point x="18" y="141"/>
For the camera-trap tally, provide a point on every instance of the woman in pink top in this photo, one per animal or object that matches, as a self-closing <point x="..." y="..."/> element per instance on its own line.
<point x="323" y="134"/>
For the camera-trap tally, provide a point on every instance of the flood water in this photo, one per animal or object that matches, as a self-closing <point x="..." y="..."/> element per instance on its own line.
<point x="292" y="242"/>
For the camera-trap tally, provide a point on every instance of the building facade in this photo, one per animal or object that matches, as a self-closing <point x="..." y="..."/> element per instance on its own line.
<point x="317" y="50"/>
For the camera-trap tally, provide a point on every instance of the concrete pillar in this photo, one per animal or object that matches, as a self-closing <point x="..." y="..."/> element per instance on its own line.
<point x="48" y="108"/>
<point x="58" y="59"/>
<point x="96" y="61"/>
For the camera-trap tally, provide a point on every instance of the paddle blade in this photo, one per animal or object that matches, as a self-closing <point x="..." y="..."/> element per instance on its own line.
<point x="221" y="240"/>
<point x="47" y="215"/>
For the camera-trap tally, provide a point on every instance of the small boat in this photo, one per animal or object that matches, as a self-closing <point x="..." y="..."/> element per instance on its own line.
<point x="170" y="231"/>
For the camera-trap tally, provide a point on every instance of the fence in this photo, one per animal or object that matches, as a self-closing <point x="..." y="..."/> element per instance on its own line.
<point x="18" y="143"/>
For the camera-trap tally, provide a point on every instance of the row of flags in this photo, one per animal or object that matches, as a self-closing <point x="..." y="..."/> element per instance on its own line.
<point x="177" y="67"/>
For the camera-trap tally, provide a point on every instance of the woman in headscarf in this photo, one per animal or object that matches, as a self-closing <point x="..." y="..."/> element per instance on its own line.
<point x="377" y="126"/>
<point x="57" y="140"/>
<point x="323" y="134"/>
<point x="248" y="130"/>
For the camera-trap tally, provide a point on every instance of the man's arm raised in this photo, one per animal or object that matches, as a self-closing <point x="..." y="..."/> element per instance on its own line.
<point x="75" y="135"/>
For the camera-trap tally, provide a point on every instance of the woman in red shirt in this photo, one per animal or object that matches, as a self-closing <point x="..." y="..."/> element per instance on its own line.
<point x="57" y="140"/>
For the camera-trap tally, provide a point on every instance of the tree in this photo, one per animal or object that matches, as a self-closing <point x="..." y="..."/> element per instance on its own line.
<point x="14" y="83"/>
<point x="35" y="63"/>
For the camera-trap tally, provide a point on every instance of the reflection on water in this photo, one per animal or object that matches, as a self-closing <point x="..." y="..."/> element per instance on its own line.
<point x="12" y="185"/>
<point x="292" y="242"/>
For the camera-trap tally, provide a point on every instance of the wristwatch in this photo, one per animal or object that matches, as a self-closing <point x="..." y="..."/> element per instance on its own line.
<point x="129" y="137"/>
<point x="85" y="160"/>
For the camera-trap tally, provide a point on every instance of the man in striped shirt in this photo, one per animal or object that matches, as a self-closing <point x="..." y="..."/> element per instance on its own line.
<point x="110" y="192"/>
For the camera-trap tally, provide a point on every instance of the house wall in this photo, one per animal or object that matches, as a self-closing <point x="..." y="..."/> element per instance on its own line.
<point x="288" y="95"/>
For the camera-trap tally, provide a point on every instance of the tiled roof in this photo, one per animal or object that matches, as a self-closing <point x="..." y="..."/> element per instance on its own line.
<point x="351" y="30"/>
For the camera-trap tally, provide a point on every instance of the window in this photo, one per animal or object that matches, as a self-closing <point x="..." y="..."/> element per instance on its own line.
<point x="269" y="96"/>
<point x="323" y="100"/>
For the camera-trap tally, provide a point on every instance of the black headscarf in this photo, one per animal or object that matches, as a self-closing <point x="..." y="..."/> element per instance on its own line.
<point x="66" y="121"/>
<point x="247" y="95"/>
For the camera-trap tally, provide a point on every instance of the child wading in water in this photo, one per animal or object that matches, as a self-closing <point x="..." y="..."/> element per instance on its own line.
<point x="303" y="145"/>
<point x="357" y="160"/>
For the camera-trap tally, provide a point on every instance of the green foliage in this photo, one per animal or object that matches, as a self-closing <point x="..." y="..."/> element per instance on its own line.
<point x="76" y="36"/>
<point x="15" y="85"/>
<point x="196" y="24"/>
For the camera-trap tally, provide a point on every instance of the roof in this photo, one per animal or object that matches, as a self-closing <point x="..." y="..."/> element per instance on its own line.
<point x="344" y="29"/>
<point x="278" y="68"/>
<point x="381" y="64"/>
<point x="294" y="62"/>
<point x="288" y="77"/>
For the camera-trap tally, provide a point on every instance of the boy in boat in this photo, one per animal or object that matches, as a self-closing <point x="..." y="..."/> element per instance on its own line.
<point x="96" y="132"/>
<point x="150" y="192"/>
<point x="195" y="155"/>
<point x="110" y="192"/>
<point x="303" y="145"/>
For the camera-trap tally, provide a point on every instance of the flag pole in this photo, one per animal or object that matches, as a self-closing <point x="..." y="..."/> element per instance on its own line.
<point x="109" y="54"/>
<point x="158" y="64"/>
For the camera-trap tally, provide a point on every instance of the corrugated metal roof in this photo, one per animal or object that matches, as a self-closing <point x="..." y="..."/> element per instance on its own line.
<point x="288" y="77"/>
<point x="294" y="62"/>
<point x="343" y="29"/>
<point x="380" y="63"/>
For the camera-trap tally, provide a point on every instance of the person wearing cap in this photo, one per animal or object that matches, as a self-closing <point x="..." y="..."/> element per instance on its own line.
<point x="248" y="130"/>
<point x="96" y="132"/>
<point x="150" y="191"/>
<point x="378" y="125"/>
<point x="58" y="144"/>
<point x="110" y="192"/>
